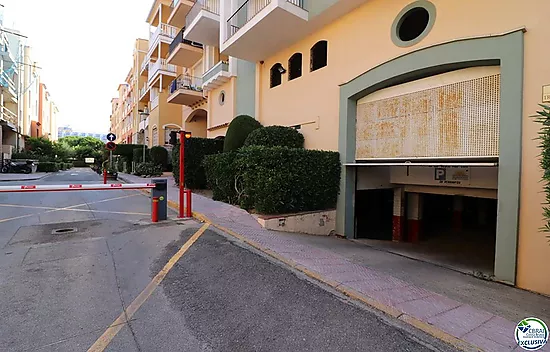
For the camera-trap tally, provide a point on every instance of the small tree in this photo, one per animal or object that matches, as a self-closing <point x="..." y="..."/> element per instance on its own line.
<point x="159" y="156"/>
<point x="543" y="117"/>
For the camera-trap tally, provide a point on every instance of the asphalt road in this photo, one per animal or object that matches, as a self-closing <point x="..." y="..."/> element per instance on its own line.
<point x="62" y="292"/>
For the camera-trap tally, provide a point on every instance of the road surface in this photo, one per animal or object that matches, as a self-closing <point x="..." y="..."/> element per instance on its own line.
<point x="63" y="292"/>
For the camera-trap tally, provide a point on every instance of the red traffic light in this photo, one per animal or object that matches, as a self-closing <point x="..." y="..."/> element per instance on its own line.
<point x="110" y="145"/>
<point x="187" y="135"/>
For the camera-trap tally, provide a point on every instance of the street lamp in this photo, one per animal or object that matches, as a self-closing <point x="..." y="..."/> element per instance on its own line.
<point x="144" y="114"/>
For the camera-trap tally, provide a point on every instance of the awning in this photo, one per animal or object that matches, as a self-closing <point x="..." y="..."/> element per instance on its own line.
<point x="408" y="163"/>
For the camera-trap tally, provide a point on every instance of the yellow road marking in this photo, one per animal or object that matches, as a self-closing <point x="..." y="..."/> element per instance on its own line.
<point x="109" y="334"/>
<point x="52" y="210"/>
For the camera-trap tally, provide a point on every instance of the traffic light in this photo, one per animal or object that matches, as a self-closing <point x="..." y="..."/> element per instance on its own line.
<point x="173" y="138"/>
<point x="187" y="135"/>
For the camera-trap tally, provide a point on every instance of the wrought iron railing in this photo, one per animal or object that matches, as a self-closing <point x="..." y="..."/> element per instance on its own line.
<point x="186" y="82"/>
<point x="208" y="5"/>
<point x="247" y="11"/>
<point x="180" y="40"/>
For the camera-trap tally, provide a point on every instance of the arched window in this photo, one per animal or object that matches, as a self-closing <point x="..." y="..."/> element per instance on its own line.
<point x="295" y="66"/>
<point x="319" y="55"/>
<point x="277" y="71"/>
<point x="155" y="136"/>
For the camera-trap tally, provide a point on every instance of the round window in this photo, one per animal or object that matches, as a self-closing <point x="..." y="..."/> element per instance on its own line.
<point x="413" y="23"/>
<point x="222" y="98"/>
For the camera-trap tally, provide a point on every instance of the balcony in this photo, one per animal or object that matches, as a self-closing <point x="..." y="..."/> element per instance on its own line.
<point x="160" y="68"/>
<point x="144" y="93"/>
<point x="203" y="22"/>
<point x="180" y="9"/>
<point x="154" y="103"/>
<point x="216" y="76"/>
<point x="260" y="28"/>
<point x="186" y="90"/>
<point x="164" y="34"/>
<point x="143" y="125"/>
<point x="8" y="116"/>
<point x="183" y="52"/>
<point x="144" y="67"/>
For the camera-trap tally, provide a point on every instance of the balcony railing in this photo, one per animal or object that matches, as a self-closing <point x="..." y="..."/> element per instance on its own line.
<point x="154" y="103"/>
<point x="163" y="29"/>
<point x="207" y="5"/>
<point x="219" y="67"/>
<point x="143" y="90"/>
<point x="8" y="115"/>
<point x="186" y="82"/>
<point x="247" y="11"/>
<point x="145" y="64"/>
<point x="161" y="65"/>
<point x="180" y="40"/>
<point x="174" y="3"/>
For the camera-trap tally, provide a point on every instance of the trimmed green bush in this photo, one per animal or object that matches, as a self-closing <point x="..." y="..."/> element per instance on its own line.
<point x="148" y="169"/>
<point x="80" y="163"/>
<point x="137" y="154"/>
<point x="238" y="131"/>
<point x="127" y="151"/>
<point x="222" y="177"/>
<point x="276" y="180"/>
<point x="195" y="151"/>
<point x="275" y="136"/>
<point x="159" y="156"/>
<point x="47" y="166"/>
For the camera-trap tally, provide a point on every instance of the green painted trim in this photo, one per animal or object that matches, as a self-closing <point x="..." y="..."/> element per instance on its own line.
<point x="245" y="88"/>
<point x="399" y="20"/>
<point x="506" y="51"/>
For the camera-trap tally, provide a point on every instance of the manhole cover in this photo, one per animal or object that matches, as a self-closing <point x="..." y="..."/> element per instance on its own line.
<point x="64" y="231"/>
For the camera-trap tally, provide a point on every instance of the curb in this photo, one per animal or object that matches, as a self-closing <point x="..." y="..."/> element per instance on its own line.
<point x="353" y="294"/>
<point x="25" y="179"/>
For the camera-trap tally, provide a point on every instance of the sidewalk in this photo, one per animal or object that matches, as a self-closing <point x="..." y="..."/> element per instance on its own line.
<point x="22" y="177"/>
<point x="462" y="310"/>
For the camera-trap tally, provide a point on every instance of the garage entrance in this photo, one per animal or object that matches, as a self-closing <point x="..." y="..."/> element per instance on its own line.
<point x="373" y="209"/>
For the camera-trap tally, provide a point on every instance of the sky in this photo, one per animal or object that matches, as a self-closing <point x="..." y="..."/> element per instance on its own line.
<point x="84" y="49"/>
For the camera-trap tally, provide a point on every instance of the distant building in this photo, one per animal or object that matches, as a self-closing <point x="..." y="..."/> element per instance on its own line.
<point x="67" y="131"/>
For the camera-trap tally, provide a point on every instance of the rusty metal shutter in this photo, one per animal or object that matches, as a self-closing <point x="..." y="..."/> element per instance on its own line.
<point x="459" y="119"/>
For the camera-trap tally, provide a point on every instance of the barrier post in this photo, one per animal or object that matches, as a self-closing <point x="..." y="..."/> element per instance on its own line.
<point x="104" y="176"/>
<point x="189" y="210"/>
<point x="155" y="210"/>
<point x="161" y="193"/>
<point x="182" y="172"/>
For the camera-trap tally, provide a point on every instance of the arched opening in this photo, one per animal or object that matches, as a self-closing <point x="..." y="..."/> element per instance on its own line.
<point x="319" y="55"/>
<point x="197" y="123"/>
<point x="295" y="66"/>
<point x="276" y="75"/>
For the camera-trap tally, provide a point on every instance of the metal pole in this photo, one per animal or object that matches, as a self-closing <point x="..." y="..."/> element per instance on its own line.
<point x="104" y="176"/>
<point x="182" y="172"/>
<point x="110" y="158"/>
<point x="189" y="210"/>
<point x="143" y="147"/>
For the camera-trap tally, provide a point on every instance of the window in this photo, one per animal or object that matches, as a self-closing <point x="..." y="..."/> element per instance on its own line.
<point x="413" y="23"/>
<point x="319" y="55"/>
<point x="155" y="137"/>
<point x="222" y="98"/>
<point x="277" y="71"/>
<point x="295" y="66"/>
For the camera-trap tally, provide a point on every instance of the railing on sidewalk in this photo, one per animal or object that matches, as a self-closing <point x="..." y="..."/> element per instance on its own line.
<point x="186" y="82"/>
<point x="179" y="39"/>
<point x="247" y="11"/>
<point x="212" y="6"/>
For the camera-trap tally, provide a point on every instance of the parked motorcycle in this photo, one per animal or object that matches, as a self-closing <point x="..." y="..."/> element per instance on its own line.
<point x="17" y="168"/>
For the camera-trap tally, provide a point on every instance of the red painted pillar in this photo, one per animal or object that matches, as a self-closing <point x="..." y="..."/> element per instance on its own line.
<point x="182" y="173"/>
<point x="189" y="210"/>
<point x="104" y="176"/>
<point x="398" y="233"/>
<point x="414" y="216"/>
<point x="155" y="210"/>
<point x="457" y="212"/>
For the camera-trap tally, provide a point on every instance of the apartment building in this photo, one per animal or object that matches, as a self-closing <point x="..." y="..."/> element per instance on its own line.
<point x="9" y="98"/>
<point x="428" y="103"/>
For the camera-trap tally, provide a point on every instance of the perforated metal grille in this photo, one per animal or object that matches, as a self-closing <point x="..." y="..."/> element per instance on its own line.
<point x="458" y="119"/>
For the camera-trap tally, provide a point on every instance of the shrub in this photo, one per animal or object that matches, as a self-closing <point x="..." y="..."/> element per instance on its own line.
<point x="276" y="180"/>
<point x="47" y="167"/>
<point x="23" y="155"/>
<point x="60" y="166"/>
<point x="275" y="136"/>
<point x="159" y="156"/>
<point x="195" y="151"/>
<point x="127" y="150"/>
<point x="222" y="177"/>
<point x="148" y="169"/>
<point x="137" y="154"/>
<point x="543" y="118"/>
<point x="238" y="131"/>
<point x="79" y="163"/>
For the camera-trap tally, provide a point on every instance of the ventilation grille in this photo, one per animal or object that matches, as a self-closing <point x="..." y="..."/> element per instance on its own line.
<point x="458" y="119"/>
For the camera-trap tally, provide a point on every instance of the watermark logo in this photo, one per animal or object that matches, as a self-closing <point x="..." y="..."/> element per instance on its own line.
<point x="531" y="334"/>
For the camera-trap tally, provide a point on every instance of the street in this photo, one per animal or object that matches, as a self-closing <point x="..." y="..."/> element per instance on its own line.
<point x="62" y="292"/>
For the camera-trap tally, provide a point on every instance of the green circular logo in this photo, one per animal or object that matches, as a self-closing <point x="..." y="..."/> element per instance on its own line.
<point x="161" y="198"/>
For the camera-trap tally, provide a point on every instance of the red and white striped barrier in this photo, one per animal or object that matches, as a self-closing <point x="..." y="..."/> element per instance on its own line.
<point x="75" y="187"/>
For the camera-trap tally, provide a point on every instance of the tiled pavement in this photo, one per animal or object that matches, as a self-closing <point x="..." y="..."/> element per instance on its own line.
<point x="463" y="321"/>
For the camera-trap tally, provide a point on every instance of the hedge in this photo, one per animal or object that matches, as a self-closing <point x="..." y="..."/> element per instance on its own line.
<point x="148" y="169"/>
<point x="238" y="130"/>
<point x="137" y="154"/>
<point x="127" y="150"/>
<point x="47" y="166"/>
<point x="195" y="151"/>
<point x="275" y="136"/>
<point x="80" y="163"/>
<point x="275" y="180"/>
<point x="159" y="156"/>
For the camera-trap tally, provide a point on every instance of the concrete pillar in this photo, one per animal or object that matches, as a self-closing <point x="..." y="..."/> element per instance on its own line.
<point x="398" y="227"/>
<point x="414" y="216"/>
<point x="457" y="212"/>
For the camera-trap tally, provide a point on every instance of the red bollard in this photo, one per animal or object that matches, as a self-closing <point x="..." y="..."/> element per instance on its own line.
<point x="155" y="210"/>
<point x="104" y="176"/>
<point x="189" y="210"/>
